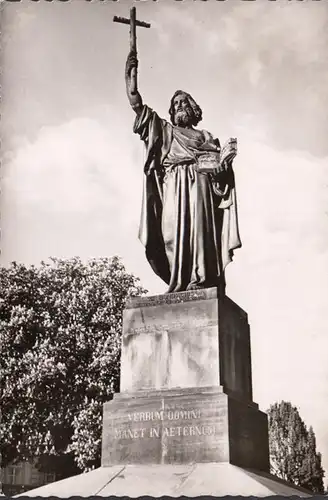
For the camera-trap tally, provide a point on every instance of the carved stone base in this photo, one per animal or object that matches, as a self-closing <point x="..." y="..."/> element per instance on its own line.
<point x="186" y="339"/>
<point x="184" y="426"/>
<point x="186" y="388"/>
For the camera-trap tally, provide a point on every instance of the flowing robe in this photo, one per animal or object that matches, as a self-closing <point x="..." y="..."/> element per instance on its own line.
<point x="189" y="225"/>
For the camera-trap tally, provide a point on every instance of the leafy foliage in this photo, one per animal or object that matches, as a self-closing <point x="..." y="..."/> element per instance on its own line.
<point x="293" y="454"/>
<point x="60" y="332"/>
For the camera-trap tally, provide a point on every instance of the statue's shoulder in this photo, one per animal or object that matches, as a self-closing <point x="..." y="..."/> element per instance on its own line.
<point x="150" y="124"/>
<point x="145" y="118"/>
<point x="149" y="112"/>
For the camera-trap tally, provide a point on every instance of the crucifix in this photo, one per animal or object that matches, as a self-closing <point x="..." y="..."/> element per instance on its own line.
<point x="133" y="22"/>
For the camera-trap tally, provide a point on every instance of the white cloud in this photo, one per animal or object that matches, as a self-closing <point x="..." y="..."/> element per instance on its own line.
<point x="65" y="169"/>
<point x="76" y="190"/>
<point x="265" y="58"/>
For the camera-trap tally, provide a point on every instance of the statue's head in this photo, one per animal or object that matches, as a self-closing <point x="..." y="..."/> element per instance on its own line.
<point x="184" y="110"/>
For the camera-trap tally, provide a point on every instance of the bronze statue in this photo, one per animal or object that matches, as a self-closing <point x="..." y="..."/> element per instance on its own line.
<point x="189" y="223"/>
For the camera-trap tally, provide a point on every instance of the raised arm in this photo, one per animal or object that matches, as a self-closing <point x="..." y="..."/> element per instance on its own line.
<point x="131" y="83"/>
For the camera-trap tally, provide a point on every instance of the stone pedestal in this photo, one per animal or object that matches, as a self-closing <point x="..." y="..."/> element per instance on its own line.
<point x="186" y="339"/>
<point x="186" y="388"/>
<point x="184" y="426"/>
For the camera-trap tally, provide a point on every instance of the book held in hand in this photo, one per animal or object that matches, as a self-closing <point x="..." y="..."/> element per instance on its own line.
<point x="229" y="151"/>
<point x="214" y="161"/>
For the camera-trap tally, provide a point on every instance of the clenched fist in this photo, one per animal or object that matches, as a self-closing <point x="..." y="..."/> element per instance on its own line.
<point x="131" y="63"/>
<point x="131" y="82"/>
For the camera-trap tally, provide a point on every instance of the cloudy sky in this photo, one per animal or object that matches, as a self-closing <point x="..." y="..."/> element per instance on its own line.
<point x="72" y="168"/>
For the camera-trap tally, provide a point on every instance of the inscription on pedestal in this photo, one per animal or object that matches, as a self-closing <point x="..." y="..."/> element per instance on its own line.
<point x="172" y="298"/>
<point x="158" y="431"/>
<point x="166" y="430"/>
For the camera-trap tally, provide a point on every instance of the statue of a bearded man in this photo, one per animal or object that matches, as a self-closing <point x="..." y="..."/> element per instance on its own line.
<point x="189" y="221"/>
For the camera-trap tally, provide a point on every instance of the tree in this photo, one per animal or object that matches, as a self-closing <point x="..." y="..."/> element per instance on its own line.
<point x="60" y="332"/>
<point x="293" y="454"/>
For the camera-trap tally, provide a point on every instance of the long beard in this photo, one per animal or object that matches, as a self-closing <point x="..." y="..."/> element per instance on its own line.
<point x="183" y="118"/>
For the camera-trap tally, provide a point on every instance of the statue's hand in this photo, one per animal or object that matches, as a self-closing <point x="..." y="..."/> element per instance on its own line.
<point x="131" y="63"/>
<point x="131" y="82"/>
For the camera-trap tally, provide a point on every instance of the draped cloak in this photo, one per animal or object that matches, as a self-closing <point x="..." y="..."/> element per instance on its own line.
<point x="189" y="224"/>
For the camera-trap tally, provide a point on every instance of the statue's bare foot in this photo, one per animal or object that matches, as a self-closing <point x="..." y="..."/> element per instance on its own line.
<point x="195" y="286"/>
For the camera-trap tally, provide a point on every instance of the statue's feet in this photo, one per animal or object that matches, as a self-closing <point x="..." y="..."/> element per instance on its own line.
<point x="200" y="286"/>
<point x="195" y="286"/>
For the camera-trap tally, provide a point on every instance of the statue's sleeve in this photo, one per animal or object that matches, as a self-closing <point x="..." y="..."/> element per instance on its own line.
<point x="146" y="122"/>
<point x="156" y="134"/>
